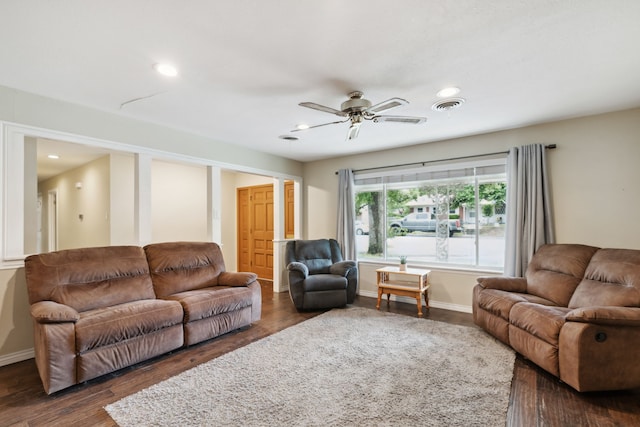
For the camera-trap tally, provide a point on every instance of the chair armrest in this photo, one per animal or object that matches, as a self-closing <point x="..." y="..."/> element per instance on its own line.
<point x="228" y="278"/>
<point x="298" y="266"/>
<point x="606" y="315"/>
<point x="52" y="312"/>
<point x="503" y="283"/>
<point x="342" y="268"/>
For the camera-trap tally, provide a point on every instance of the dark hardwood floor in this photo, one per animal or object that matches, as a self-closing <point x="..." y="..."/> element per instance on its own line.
<point x="537" y="398"/>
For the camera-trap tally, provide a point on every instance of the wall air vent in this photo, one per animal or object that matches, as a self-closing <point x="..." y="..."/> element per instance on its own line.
<point x="447" y="104"/>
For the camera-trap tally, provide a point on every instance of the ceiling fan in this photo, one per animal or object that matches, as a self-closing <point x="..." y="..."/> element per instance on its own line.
<point x="357" y="109"/>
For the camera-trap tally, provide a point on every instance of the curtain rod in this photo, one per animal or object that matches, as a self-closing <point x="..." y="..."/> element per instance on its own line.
<point x="549" y="147"/>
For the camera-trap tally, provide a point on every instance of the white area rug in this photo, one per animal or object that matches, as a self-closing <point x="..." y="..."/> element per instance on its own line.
<point x="347" y="367"/>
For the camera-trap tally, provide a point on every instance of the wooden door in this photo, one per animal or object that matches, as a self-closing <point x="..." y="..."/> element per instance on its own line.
<point x="261" y="219"/>
<point x="244" y="230"/>
<point x="288" y="210"/>
<point x="255" y="230"/>
<point x="255" y="227"/>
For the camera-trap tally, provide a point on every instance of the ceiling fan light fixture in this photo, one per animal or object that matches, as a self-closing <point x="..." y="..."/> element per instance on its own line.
<point x="166" y="69"/>
<point x="354" y="130"/>
<point x="358" y="109"/>
<point x="448" y="91"/>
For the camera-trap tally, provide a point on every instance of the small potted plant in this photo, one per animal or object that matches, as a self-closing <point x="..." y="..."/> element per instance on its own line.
<point x="403" y="263"/>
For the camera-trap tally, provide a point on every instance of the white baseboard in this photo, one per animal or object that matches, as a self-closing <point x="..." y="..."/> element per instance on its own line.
<point x="432" y="303"/>
<point x="18" y="356"/>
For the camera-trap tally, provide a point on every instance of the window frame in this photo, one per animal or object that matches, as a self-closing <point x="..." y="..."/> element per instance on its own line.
<point x="383" y="174"/>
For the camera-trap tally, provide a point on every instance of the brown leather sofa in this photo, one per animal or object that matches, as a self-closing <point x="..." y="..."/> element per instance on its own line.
<point x="97" y="310"/>
<point x="576" y="314"/>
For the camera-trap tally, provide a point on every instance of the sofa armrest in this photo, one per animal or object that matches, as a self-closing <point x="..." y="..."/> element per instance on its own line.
<point x="298" y="266"/>
<point x="228" y="278"/>
<point x="504" y="283"/>
<point x="606" y="315"/>
<point x="52" y="312"/>
<point x="342" y="268"/>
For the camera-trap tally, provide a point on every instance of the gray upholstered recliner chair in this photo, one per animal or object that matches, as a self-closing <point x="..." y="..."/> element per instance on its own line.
<point x="318" y="276"/>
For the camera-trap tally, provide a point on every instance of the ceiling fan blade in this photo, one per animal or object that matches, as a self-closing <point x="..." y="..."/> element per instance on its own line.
<point x="400" y="119"/>
<point x="326" y="109"/>
<point x="386" y="105"/>
<point x="317" y="126"/>
<point x="354" y="130"/>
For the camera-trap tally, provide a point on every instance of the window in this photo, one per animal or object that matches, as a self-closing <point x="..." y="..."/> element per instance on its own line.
<point x="465" y="223"/>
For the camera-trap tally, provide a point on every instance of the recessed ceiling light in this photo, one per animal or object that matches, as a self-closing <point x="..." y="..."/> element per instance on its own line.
<point x="448" y="91"/>
<point x="53" y="156"/>
<point x="289" y="137"/>
<point x="302" y="126"/>
<point x="166" y="69"/>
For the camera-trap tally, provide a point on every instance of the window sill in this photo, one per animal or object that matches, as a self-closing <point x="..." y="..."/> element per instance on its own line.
<point x="439" y="267"/>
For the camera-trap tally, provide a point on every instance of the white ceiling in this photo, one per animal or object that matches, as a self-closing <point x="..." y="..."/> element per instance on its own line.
<point x="245" y="65"/>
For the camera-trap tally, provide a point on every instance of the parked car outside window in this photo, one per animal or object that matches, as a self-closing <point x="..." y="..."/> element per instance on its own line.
<point x="361" y="228"/>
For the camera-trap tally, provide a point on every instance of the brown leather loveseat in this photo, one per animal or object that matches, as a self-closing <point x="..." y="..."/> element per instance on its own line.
<point x="97" y="310"/>
<point x="576" y="314"/>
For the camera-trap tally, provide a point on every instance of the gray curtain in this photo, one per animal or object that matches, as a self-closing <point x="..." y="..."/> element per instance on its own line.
<point x="529" y="220"/>
<point x="346" y="235"/>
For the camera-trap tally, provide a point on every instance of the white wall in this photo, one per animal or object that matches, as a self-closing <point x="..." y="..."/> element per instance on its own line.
<point x="122" y="191"/>
<point x="178" y="202"/>
<point x="593" y="173"/>
<point x="83" y="214"/>
<point x="16" y="336"/>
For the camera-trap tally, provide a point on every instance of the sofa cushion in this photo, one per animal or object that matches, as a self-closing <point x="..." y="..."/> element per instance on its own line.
<point x="208" y="302"/>
<point x="106" y="326"/>
<point x="611" y="279"/>
<point x="315" y="254"/>
<point x="556" y="270"/>
<point x="499" y="303"/>
<point x="541" y="321"/>
<point x="325" y="282"/>
<point x="89" y="278"/>
<point x="183" y="266"/>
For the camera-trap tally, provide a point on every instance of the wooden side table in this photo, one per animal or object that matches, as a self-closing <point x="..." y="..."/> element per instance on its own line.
<point x="413" y="282"/>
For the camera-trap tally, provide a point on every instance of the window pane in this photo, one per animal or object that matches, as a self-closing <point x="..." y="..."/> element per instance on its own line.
<point x="492" y="219"/>
<point x="450" y="218"/>
<point x="369" y="222"/>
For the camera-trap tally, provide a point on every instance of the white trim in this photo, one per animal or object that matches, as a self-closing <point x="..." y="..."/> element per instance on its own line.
<point x="214" y="204"/>
<point x="52" y="220"/>
<point x="297" y="209"/>
<point x="142" y="199"/>
<point x="412" y="301"/>
<point x="13" y="195"/>
<point x="130" y="148"/>
<point x="452" y="268"/>
<point x="16" y="357"/>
